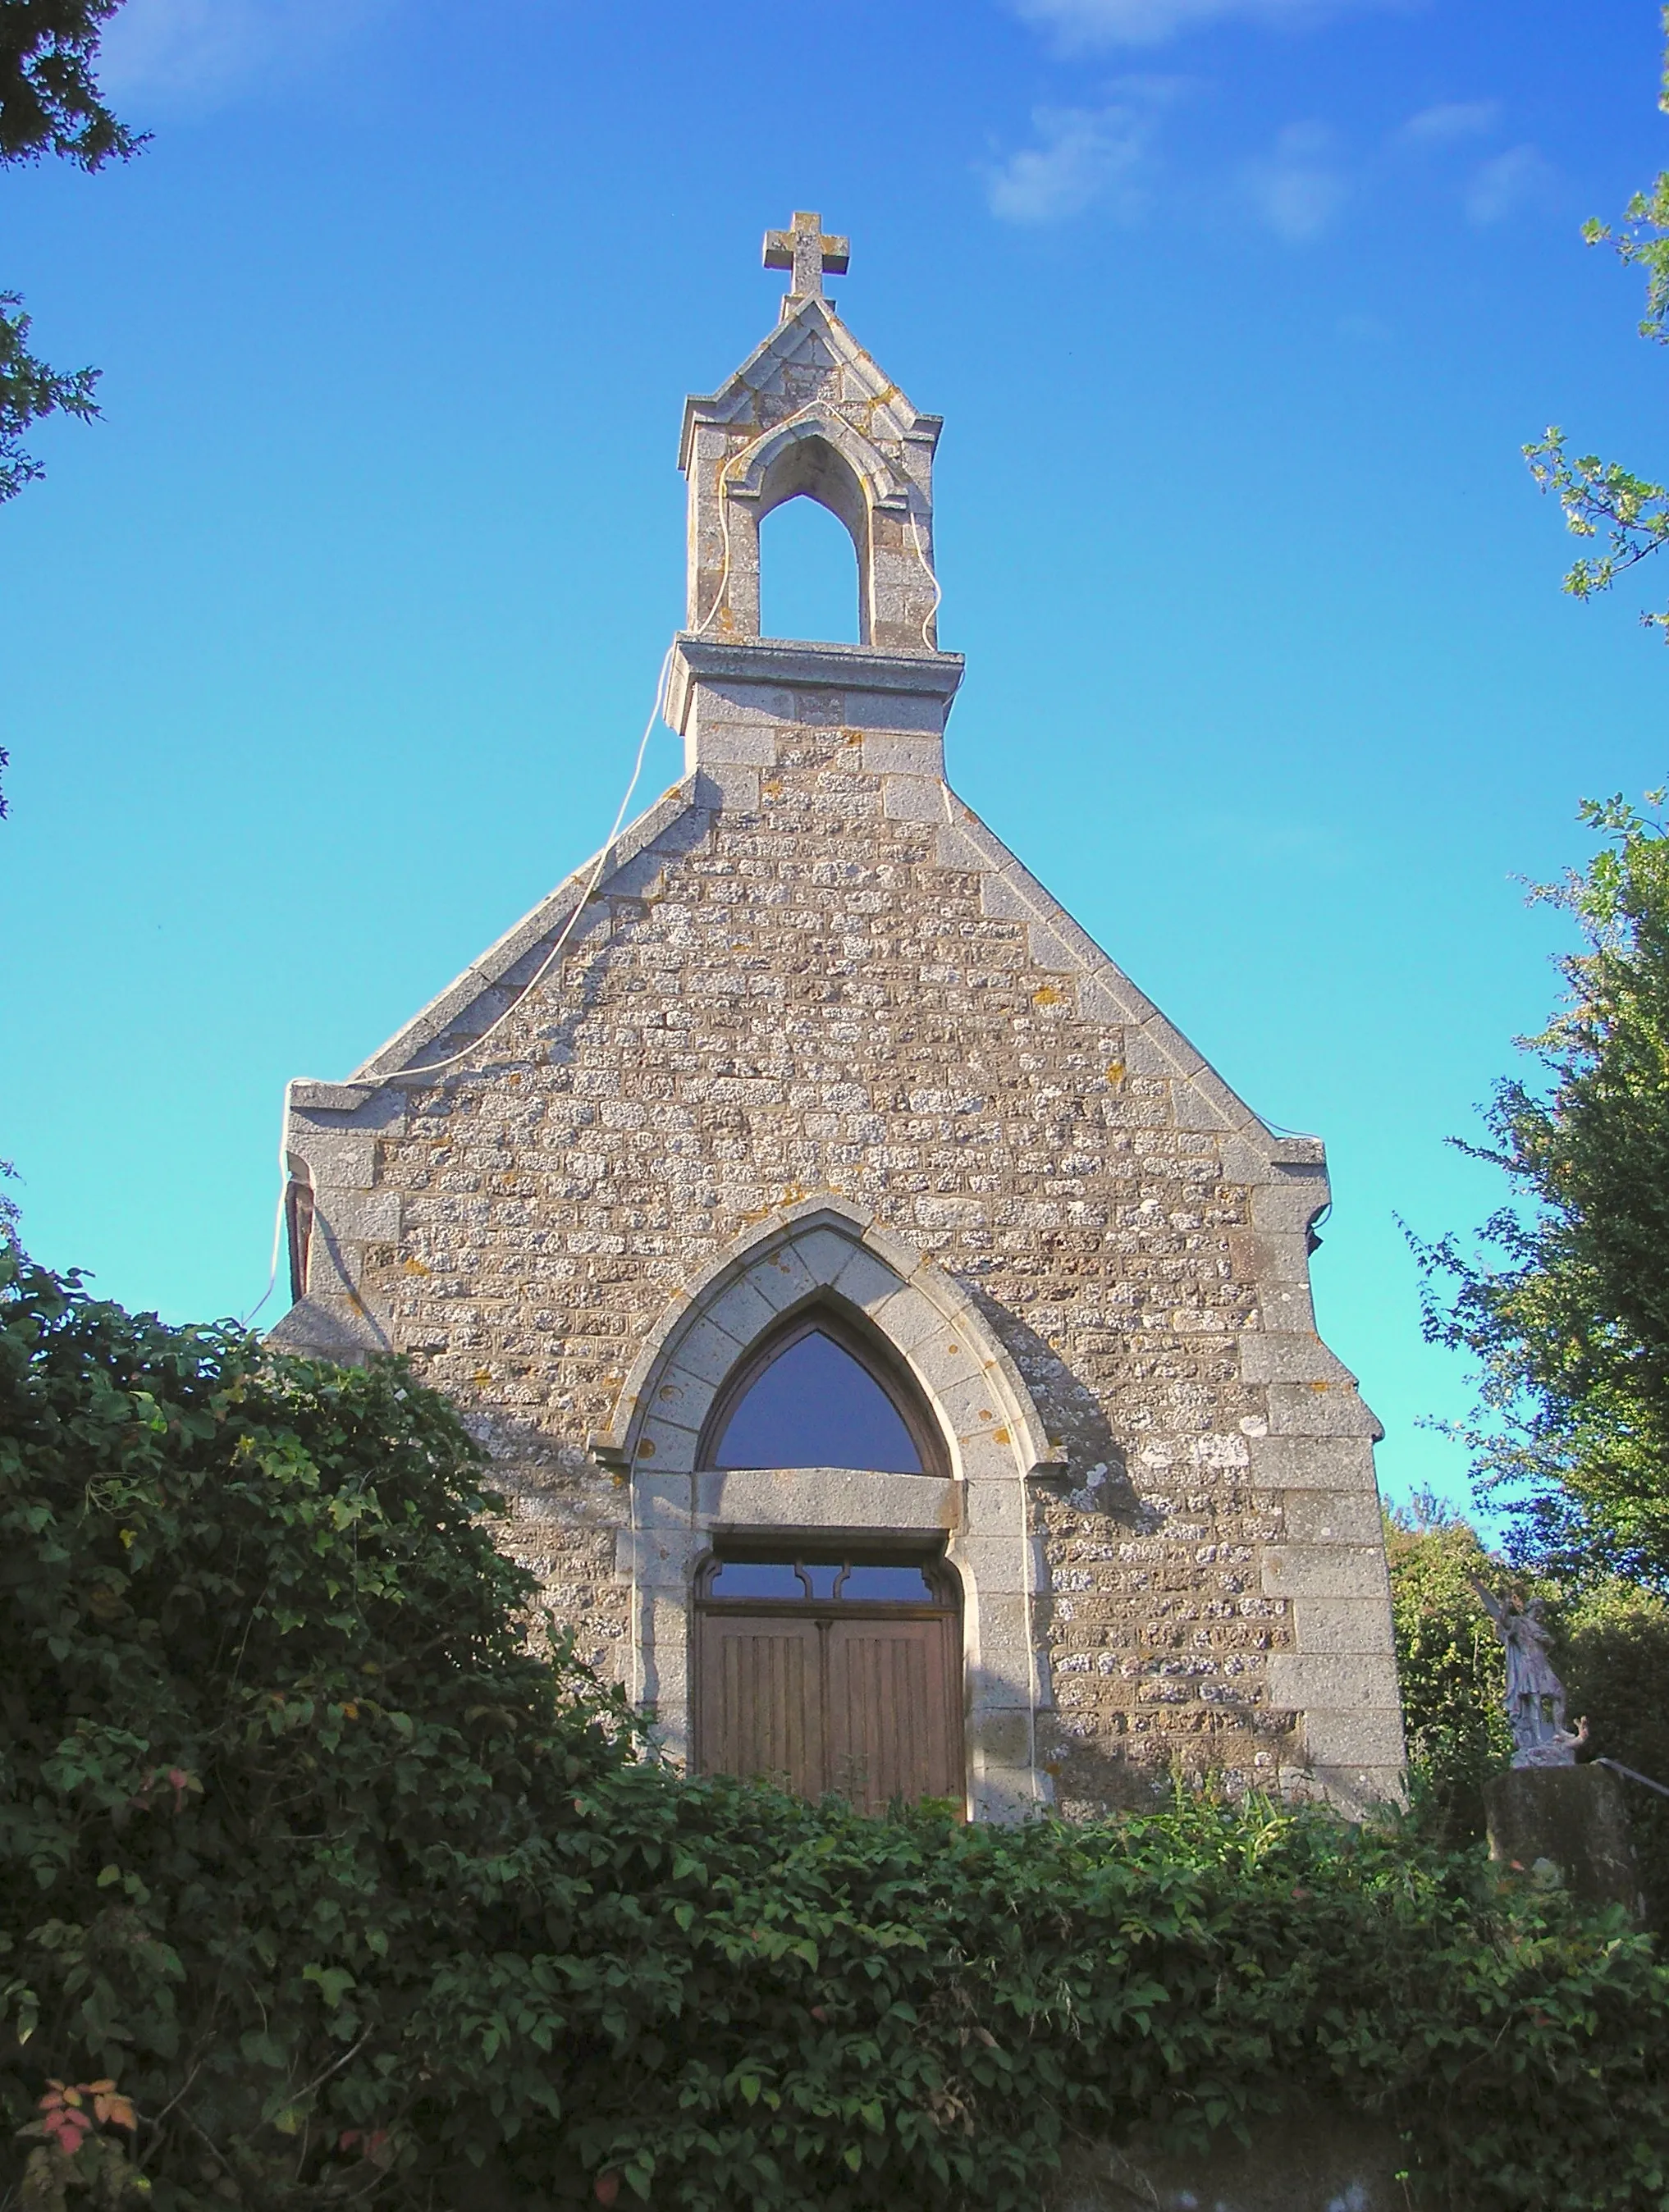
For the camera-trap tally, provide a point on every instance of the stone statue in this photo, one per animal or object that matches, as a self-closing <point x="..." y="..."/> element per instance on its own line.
<point x="1535" y="1696"/>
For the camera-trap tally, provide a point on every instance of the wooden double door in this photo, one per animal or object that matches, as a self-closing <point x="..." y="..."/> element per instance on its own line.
<point x="832" y="1692"/>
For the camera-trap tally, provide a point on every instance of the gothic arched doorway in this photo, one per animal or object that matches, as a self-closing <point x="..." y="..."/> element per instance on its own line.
<point x="824" y="1662"/>
<point x="694" y="1407"/>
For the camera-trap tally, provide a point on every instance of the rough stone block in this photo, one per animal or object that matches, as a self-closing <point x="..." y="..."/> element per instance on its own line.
<point x="865" y="1281"/>
<point x="1002" y="1740"/>
<point x="1323" y="1571"/>
<point x="1319" y="1409"/>
<point x="825" y="1498"/>
<point x="1575" y="1817"/>
<point x="1317" y="1680"/>
<point x="742" y="1311"/>
<point x="1342" y="1624"/>
<point x="1361" y="1738"/>
<point x="1286" y="1462"/>
<point x="1291" y="1202"/>
<point x="892" y="753"/>
<point x="913" y="799"/>
<point x="1269" y="1357"/>
<point x="662" y="1504"/>
<point x="1332" y="1517"/>
<point x="664" y="1447"/>
<point x="739" y="745"/>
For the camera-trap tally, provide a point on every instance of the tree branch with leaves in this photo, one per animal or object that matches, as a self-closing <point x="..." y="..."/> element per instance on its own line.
<point x="49" y="103"/>
<point x="1566" y="1308"/>
<point x="1602" y="498"/>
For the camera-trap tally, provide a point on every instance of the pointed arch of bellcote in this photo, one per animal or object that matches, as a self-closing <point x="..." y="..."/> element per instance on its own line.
<point x="806" y="455"/>
<point x="822" y="1265"/>
<point x="809" y="414"/>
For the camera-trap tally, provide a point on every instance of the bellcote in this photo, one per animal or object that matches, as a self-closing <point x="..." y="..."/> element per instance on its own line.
<point x="810" y="415"/>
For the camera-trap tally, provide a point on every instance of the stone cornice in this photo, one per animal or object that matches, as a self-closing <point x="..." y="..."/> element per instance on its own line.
<point x="798" y="666"/>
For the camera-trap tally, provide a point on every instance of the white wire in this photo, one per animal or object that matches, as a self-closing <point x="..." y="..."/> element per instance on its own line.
<point x="932" y="614"/>
<point x="724" y="525"/>
<point x="436" y="1067"/>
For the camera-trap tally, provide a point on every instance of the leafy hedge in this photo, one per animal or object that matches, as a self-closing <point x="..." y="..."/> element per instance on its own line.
<point x="306" y="1852"/>
<point x="1610" y="1648"/>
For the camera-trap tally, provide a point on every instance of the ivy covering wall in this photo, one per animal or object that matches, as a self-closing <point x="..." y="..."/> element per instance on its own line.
<point x="321" y="1884"/>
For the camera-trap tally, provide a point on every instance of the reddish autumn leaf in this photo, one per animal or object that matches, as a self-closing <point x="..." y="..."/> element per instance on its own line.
<point x="820" y="2012"/>
<point x="607" y="2187"/>
<point x="347" y="2139"/>
<point x="68" y="2131"/>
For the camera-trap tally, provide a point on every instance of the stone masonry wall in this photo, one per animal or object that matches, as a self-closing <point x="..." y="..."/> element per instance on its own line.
<point x="813" y="975"/>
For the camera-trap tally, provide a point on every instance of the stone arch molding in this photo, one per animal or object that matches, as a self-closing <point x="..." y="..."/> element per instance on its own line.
<point x="770" y="461"/>
<point x="825" y="1250"/>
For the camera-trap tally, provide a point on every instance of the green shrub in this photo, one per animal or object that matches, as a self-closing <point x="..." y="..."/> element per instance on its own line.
<point x="1610" y="1648"/>
<point x="306" y="1852"/>
<point x="1450" y="1662"/>
<point x="1613" y="1657"/>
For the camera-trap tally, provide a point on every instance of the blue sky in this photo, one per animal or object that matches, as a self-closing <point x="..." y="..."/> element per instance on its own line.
<point x="325" y="654"/>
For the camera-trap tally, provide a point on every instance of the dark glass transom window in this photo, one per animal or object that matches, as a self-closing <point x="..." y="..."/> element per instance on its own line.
<point x="823" y="1582"/>
<point x="814" y="1403"/>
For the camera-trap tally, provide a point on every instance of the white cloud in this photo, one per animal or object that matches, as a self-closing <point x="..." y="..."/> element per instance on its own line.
<point x="1450" y="122"/>
<point x="1512" y="180"/>
<point x="1085" y="156"/>
<point x="1298" y="191"/>
<point x="1080" y="23"/>
<point x="200" y="51"/>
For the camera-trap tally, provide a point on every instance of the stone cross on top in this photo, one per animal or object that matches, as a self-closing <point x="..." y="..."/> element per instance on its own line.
<point x="807" y="250"/>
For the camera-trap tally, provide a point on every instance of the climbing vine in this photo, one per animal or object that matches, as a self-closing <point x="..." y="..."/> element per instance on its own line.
<point x="323" y="1884"/>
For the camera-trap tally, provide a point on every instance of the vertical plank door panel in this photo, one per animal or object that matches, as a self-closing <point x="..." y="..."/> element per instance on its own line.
<point x="761" y="1701"/>
<point x="892" y="1728"/>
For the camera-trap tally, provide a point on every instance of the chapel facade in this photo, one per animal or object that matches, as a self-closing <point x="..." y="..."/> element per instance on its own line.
<point x="894" y="1339"/>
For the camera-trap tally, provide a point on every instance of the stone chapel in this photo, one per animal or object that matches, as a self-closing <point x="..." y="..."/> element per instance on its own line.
<point x="894" y="1339"/>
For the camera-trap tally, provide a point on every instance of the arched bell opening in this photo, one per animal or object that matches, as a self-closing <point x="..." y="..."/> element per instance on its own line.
<point x="810" y="587"/>
<point x="810" y="468"/>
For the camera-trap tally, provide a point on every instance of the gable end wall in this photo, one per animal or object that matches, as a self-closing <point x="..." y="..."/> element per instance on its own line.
<point x="811" y="970"/>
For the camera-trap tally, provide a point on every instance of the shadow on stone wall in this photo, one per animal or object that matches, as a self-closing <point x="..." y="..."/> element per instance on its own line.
<point x="1072" y="1414"/>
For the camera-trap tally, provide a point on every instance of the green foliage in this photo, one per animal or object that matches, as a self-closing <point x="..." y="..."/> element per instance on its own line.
<point x="1610" y="1649"/>
<point x="1450" y="1662"/>
<point x="49" y="103"/>
<point x="305" y="1852"/>
<point x="1612" y="1655"/>
<point x="1571" y="1330"/>
<point x="1602" y="495"/>
<point x="29" y="392"/>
